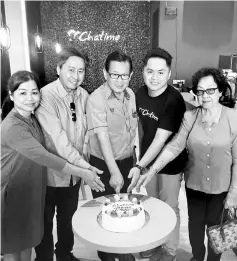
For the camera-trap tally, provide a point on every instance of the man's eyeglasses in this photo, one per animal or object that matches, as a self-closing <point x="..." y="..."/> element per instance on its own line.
<point x="116" y="76"/>
<point x="73" y="110"/>
<point x="207" y="91"/>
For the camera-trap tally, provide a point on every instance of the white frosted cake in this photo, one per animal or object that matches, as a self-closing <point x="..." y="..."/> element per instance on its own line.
<point x="122" y="213"/>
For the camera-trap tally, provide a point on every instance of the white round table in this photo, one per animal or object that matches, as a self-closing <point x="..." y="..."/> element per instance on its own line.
<point x="159" y="225"/>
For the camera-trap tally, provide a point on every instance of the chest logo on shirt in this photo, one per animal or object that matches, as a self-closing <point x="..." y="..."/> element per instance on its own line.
<point x="112" y="110"/>
<point x="146" y="112"/>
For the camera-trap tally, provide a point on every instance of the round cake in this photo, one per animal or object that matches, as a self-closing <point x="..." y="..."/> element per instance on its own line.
<point x="122" y="213"/>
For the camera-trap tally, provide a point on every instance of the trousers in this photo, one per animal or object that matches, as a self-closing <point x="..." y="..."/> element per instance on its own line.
<point x="124" y="166"/>
<point x="204" y="210"/>
<point x="65" y="200"/>
<point x="168" y="187"/>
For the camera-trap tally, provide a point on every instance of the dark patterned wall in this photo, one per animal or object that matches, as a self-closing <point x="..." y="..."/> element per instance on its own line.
<point x="130" y="20"/>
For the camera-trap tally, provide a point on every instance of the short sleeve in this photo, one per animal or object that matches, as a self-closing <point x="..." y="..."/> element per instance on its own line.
<point x="172" y="117"/>
<point x="96" y="114"/>
<point x="138" y="94"/>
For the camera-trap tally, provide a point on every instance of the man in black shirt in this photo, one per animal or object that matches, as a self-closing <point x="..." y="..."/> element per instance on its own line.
<point x="160" y="109"/>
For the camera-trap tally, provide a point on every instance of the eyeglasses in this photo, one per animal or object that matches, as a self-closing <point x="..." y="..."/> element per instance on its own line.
<point x="207" y="91"/>
<point x="116" y="76"/>
<point x="73" y="110"/>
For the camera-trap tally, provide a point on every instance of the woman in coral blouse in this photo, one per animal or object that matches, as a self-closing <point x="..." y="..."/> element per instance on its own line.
<point x="210" y="134"/>
<point x="23" y="170"/>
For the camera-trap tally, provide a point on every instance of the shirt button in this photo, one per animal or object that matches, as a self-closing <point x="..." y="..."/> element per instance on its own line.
<point x="208" y="179"/>
<point x="209" y="129"/>
<point x="208" y="142"/>
<point x="208" y="167"/>
<point x="208" y="155"/>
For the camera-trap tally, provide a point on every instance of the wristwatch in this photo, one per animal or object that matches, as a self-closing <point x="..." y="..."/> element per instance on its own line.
<point x="139" y="167"/>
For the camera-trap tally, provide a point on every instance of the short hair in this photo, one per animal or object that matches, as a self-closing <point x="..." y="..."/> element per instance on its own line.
<point x="119" y="57"/>
<point x="69" y="52"/>
<point x="20" y="77"/>
<point x="223" y="86"/>
<point x="14" y="82"/>
<point x="217" y="75"/>
<point x="158" y="53"/>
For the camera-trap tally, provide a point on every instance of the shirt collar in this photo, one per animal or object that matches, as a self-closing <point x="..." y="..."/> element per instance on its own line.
<point x="216" y="119"/>
<point x="111" y="95"/>
<point x="218" y="116"/>
<point x="63" y="93"/>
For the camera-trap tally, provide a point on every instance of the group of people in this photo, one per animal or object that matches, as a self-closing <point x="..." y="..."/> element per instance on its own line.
<point x="58" y="136"/>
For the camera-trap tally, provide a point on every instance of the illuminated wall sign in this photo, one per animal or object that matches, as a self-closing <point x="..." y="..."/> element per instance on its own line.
<point x="88" y="36"/>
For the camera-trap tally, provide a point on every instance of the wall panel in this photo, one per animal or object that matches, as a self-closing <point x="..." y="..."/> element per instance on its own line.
<point x="128" y="19"/>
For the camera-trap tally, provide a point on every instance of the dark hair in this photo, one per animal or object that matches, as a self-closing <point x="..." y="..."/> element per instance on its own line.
<point x="119" y="57"/>
<point x="158" y="53"/>
<point x="221" y="81"/>
<point x="69" y="52"/>
<point x="14" y="82"/>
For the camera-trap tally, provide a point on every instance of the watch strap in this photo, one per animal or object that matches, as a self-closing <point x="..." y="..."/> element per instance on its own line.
<point x="139" y="167"/>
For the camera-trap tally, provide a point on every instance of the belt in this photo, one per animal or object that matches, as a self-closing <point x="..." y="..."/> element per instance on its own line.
<point x="124" y="160"/>
<point x="118" y="161"/>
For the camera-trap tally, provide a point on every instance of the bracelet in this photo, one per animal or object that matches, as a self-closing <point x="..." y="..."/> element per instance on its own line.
<point x="139" y="167"/>
<point x="233" y="186"/>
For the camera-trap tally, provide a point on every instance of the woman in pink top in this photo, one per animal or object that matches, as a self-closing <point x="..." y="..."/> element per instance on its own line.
<point x="209" y="132"/>
<point x="23" y="170"/>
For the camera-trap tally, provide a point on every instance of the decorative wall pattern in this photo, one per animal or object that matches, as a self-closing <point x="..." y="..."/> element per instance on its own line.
<point x="98" y="28"/>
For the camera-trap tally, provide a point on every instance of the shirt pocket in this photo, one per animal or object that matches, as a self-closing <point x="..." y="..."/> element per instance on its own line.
<point x="116" y="122"/>
<point x="84" y="124"/>
<point x="134" y="120"/>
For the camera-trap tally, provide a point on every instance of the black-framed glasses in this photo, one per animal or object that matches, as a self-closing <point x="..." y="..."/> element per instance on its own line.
<point x="207" y="91"/>
<point x="116" y="76"/>
<point x="73" y="110"/>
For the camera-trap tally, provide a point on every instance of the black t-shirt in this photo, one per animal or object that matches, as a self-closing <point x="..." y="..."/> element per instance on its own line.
<point x="166" y="112"/>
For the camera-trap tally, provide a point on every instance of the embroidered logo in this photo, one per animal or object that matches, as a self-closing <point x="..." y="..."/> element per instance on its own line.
<point x="112" y="110"/>
<point x="146" y="112"/>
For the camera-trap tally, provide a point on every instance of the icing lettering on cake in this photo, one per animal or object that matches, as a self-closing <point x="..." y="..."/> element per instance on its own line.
<point x="122" y="213"/>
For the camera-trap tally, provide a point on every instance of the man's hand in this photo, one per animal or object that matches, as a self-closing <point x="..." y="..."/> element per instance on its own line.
<point x="145" y="178"/>
<point x="93" y="180"/>
<point x="134" y="174"/>
<point x="95" y="170"/>
<point x="116" y="182"/>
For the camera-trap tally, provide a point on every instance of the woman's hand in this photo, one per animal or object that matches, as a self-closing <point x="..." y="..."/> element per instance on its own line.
<point x="231" y="199"/>
<point x="145" y="178"/>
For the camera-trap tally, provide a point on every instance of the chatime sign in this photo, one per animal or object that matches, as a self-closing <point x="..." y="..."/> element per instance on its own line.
<point x="89" y="36"/>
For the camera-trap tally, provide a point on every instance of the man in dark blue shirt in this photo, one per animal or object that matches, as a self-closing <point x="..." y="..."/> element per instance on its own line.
<point x="160" y="109"/>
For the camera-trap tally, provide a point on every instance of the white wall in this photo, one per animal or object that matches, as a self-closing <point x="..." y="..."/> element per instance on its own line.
<point x="16" y="21"/>
<point x="205" y="30"/>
